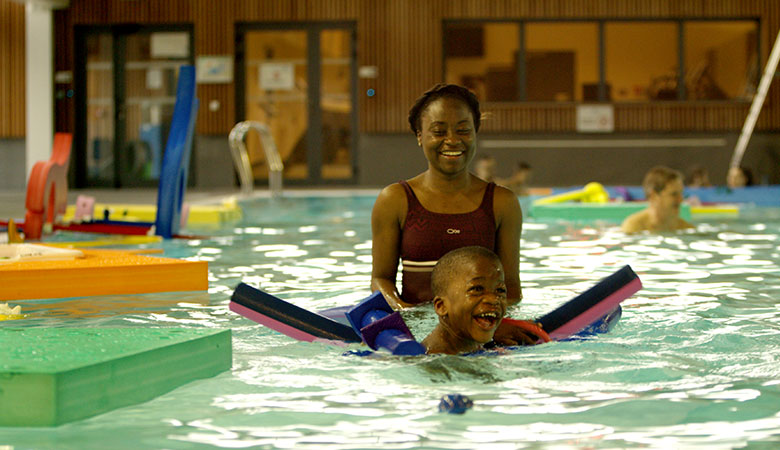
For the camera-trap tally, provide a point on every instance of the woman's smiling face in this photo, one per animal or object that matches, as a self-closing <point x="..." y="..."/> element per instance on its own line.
<point x="447" y="135"/>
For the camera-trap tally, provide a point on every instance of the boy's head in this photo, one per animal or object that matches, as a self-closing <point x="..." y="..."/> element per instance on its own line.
<point x="469" y="294"/>
<point x="657" y="178"/>
<point x="664" y="189"/>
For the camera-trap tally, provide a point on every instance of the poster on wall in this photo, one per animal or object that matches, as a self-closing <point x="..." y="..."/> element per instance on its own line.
<point x="277" y="76"/>
<point x="214" y="69"/>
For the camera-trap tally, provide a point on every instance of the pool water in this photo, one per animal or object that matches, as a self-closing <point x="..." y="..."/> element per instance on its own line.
<point x="693" y="363"/>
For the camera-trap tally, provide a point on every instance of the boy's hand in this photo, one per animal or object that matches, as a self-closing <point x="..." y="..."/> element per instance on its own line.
<point x="518" y="332"/>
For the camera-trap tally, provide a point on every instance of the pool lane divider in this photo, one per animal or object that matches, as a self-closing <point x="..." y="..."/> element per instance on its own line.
<point x="595" y="310"/>
<point x="100" y="272"/>
<point x="52" y="376"/>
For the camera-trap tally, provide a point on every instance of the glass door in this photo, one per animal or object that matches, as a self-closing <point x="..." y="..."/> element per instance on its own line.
<point x="300" y="83"/>
<point x="129" y="78"/>
<point x="100" y="168"/>
<point x="277" y="96"/>
<point x="336" y="104"/>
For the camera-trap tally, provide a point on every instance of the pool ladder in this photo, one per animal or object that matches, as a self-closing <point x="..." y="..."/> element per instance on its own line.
<point x="241" y="157"/>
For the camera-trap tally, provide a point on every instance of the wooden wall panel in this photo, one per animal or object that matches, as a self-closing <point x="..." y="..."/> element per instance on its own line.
<point x="12" y="74"/>
<point x="402" y="38"/>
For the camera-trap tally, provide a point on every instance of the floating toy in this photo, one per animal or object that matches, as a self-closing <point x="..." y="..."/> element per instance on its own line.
<point x="595" y="310"/>
<point x="99" y="272"/>
<point x="8" y="313"/>
<point x="381" y="327"/>
<point x="455" y="404"/>
<point x="592" y="193"/>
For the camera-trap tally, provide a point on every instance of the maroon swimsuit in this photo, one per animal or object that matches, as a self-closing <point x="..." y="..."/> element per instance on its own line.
<point x="427" y="236"/>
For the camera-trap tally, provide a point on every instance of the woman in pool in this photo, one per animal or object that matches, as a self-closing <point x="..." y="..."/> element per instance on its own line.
<point x="469" y="298"/>
<point x="444" y="208"/>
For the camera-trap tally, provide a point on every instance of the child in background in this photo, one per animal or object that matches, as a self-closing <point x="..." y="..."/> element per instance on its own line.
<point x="485" y="168"/>
<point x="470" y="300"/>
<point x="518" y="181"/>
<point x="698" y="177"/>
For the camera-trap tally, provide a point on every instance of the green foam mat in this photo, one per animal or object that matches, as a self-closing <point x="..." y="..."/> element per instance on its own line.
<point x="611" y="212"/>
<point x="51" y="376"/>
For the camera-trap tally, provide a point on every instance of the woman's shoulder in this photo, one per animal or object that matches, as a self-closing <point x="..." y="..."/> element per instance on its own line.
<point x="392" y="191"/>
<point x="505" y="198"/>
<point x="392" y="196"/>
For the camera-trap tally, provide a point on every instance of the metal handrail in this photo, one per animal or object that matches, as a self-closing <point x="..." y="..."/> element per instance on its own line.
<point x="241" y="157"/>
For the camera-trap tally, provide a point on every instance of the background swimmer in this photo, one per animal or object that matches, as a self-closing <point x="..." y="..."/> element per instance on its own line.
<point x="664" y="191"/>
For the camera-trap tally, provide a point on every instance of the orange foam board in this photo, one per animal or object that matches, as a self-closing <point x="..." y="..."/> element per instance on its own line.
<point x="100" y="272"/>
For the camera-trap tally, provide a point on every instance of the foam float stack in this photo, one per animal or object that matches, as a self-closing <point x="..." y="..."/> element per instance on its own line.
<point x="51" y="376"/>
<point x="97" y="272"/>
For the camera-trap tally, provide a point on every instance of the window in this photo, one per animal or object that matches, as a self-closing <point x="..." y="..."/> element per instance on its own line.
<point x="604" y="60"/>
<point x="721" y="60"/>
<point x="641" y="60"/>
<point x="483" y="57"/>
<point x="562" y="61"/>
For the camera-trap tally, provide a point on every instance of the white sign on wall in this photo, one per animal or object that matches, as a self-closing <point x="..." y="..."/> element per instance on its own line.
<point x="169" y="45"/>
<point x="277" y="76"/>
<point x="595" y="118"/>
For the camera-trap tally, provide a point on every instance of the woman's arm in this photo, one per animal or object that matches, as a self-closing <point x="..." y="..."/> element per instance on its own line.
<point x="386" y="221"/>
<point x="509" y="219"/>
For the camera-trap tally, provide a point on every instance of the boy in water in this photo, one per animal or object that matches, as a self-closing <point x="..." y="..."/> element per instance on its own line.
<point x="664" y="191"/>
<point x="469" y="296"/>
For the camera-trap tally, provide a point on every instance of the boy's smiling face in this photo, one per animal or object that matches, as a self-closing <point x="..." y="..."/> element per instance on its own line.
<point x="474" y="302"/>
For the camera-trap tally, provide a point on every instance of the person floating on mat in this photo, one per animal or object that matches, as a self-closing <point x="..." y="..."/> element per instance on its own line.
<point x="470" y="298"/>
<point x="664" y="191"/>
<point x="445" y="207"/>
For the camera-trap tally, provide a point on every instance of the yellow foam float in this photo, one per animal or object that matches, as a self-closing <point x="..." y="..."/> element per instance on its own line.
<point x="226" y="212"/>
<point x="110" y="241"/>
<point x="722" y="209"/>
<point x="97" y="272"/>
<point x="593" y="192"/>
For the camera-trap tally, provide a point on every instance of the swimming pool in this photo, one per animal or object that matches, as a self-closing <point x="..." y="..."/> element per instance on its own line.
<point x="692" y="364"/>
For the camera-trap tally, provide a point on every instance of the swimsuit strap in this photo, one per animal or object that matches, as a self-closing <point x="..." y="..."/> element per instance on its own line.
<point x="486" y="204"/>
<point x="411" y="198"/>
